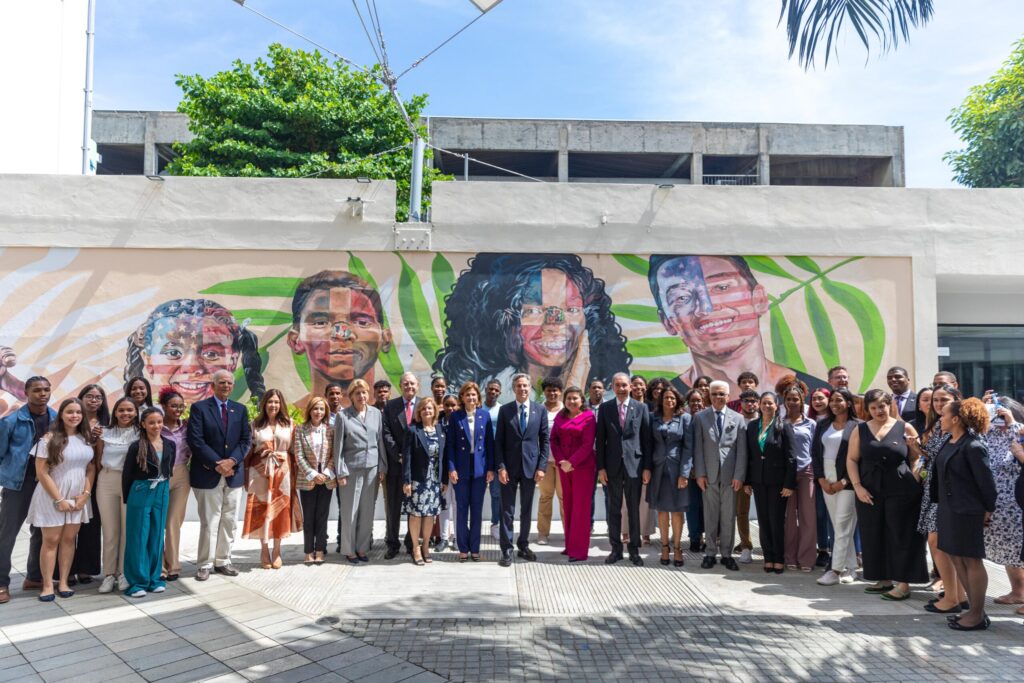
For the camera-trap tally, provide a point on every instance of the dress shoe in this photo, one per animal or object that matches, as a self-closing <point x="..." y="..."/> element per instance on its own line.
<point x="823" y="559"/>
<point x="226" y="570"/>
<point x="636" y="559"/>
<point x="30" y="585"/>
<point x="172" y="577"/>
<point x="527" y="554"/>
<point x="980" y="626"/>
<point x="441" y="545"/>
<point x="614" y="557"/>
<point x="708" y="562"/>
<point x="506" y="559"/>
<point x="202" y="574"/>
<point x="730" y="564"/>
<point x="391" y="554"/>
<point x="5" y="595"/>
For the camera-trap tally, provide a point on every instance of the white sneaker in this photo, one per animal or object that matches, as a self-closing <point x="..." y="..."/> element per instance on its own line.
<point x="829" y="578"/>
<point x="108" y="584"/>
<point x="122" y="583"/>
<point x="542" y="540"/>
<point x="158" y="589"/>
<point x="746" y="556"/>
<point x="847" y="577"/>
<point x="495" y="533"/>
<point x="138" y="594"/>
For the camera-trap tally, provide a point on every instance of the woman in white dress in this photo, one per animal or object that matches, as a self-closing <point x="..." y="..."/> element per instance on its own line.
<point x="65" y="469"/>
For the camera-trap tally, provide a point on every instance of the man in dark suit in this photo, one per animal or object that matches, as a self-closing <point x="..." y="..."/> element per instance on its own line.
<point x="219" y="436"/>
<point x="904" y="401"/>
<point x="520" y="453"/>
<point x="398" y="415"/>
<point x="623" y="444"/>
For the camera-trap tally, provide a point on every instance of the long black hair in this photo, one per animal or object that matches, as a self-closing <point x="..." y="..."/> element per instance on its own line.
<point x="243" y="341"/>
<point x="483" y="317"/>
<point x="103" y="414"/>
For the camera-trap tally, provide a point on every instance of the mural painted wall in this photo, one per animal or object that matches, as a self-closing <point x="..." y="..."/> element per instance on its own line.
<point x="298" y="320"/>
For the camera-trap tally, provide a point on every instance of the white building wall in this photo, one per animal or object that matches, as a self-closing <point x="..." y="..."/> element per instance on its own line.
<point x="42" y="50"/>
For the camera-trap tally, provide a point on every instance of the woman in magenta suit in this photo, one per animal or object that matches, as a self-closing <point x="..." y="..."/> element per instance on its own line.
<point x="572" y="446"/>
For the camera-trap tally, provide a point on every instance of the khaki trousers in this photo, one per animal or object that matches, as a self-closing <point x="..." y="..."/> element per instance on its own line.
<point x="218" y="519"/>
<point x="110" y="503"/>
<point x="550" y="486"/>
<point x="179" y="488"/>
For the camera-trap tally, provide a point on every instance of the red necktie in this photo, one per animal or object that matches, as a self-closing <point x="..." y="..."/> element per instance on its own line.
<point x="224" y="415"/>
<point x="408" y="412"/>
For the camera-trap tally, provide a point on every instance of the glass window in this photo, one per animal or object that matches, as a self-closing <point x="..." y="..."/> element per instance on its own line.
<point x="985" y="357"/>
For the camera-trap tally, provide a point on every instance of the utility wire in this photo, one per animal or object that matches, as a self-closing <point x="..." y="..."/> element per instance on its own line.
<point x="484" y="163"/>
<point x="369" y="38"/>
<point x="447" y="40"/>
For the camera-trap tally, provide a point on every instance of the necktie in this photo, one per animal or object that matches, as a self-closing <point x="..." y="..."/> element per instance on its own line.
<point x="408" y="412"/>
<point x="622" y="414"/>
<point x="899" y="405"/>
<point x="224" y="415"/>
<point x="718" y="422"/>
<point x="522" y="417"/>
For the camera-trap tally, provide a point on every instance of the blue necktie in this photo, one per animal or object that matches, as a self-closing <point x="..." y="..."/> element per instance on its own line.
<point x="522" y="417"/>
<point x="718" y="421"/>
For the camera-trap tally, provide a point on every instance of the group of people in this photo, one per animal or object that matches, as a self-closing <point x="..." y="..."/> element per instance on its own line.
<point x="838" y="480"/>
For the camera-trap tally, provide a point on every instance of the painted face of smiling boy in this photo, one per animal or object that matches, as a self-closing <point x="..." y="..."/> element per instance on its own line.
<point x="552" y="319"/>
<point x="707" y="301"/>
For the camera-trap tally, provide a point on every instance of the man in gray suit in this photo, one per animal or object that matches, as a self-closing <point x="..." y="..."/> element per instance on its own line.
<point x="720" y="464"/>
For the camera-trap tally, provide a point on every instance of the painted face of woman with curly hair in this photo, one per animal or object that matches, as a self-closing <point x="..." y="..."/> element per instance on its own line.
<point x="185" y="352"/>
<point x="552" y="319"/>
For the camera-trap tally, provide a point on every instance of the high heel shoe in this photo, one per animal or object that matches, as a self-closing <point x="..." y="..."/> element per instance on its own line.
<point x="266" y="563"/>
<point x="417" y="557"/>
<point x="665" y="547"/>
<point x="277" y="563"/>
<point x="678" y="561"/>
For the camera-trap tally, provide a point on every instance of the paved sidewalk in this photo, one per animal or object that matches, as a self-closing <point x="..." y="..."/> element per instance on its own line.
<point x="393" y="621"/>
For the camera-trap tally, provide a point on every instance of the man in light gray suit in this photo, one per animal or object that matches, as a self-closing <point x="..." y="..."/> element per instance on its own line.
<point x="720" y="464"/>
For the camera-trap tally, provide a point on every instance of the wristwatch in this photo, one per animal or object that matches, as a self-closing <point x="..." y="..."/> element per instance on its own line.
<point x="56" y="503"/>
<point x="844" y="483"/>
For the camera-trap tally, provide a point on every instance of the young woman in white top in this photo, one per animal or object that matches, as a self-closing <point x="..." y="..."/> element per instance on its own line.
<point x="60" y="504"/>
<point x="111" y="450"/>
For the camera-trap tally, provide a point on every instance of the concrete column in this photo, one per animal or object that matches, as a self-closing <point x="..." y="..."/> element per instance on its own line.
<point x="149" y="157"/>
<point x="763" y="160"/>
<point x="563" y="154"/>
<point x="697" y="168"/>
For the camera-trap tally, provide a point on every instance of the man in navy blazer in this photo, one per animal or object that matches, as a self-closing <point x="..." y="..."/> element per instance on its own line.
<point x="623" y="444"/>
<point x="520" y="454"/>
<point x="219" y="436"/>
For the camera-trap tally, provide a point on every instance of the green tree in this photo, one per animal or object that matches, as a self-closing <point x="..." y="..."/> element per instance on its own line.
<point x="296" y="115"/>
<point x="808" y="22"/>
<point x="990" y="121"/>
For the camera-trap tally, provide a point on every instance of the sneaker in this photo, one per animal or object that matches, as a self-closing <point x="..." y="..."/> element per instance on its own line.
<point x="495" y="534"/>
<point x="847" y="577"/>
<point x="122" y="583"/>
<point x="138" y="594"/>
<point x="542" y="540"/>
<point x="108" y="584"/>
<point x="829" y="578"/>
<point x="746" y="556"/>
<point x="158" y="589"/>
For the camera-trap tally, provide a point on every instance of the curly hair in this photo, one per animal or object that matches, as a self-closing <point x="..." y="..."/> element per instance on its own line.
<point x="483" y="317"/>
<point x="243" y="341"/>
<point x="972" y="413"/>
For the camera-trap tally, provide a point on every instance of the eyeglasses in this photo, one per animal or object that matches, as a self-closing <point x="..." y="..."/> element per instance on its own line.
<point x="718" y="393"/>
<point x="750" y="400"/>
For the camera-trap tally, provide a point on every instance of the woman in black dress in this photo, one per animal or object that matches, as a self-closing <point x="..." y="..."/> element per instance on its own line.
<point x="880" y="464"/>
<point x="965" y="491"/>
<point x="771" y="477"/>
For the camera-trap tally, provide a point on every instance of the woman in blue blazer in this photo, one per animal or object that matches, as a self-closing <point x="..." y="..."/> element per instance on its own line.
<point x="469" y="457"/>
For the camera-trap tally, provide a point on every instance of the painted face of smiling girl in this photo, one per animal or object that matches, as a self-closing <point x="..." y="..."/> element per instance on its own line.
<point x="552" y="320"/>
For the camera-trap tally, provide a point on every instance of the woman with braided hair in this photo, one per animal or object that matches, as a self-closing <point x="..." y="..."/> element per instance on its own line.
<point x="184" y="341"/>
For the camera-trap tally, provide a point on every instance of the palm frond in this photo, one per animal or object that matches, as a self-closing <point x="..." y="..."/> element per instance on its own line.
<point x="884" y="22"/>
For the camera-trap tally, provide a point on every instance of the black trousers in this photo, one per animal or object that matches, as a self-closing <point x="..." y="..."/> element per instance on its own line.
<point x="88" y="550"/>
<point x="892" y="548"/>
<point x="393" y="497"/>
<point x="337" y="494"/>
<point x="316" y="510"/>
<point x="771" y="521"/>
<point x="13" y="512"/>
<point x="621" y="484"/>
<point x="524" y="486"/>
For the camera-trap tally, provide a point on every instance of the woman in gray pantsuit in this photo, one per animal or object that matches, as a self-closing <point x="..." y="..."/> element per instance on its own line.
<point x="360" y="462"/>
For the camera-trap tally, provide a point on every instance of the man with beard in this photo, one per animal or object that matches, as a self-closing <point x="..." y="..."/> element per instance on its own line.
<point x="714" y="304"/>
<point x="338" y="324"/>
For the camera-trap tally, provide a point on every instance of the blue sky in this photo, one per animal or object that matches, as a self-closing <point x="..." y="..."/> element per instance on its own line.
<point x="603" y="59"/>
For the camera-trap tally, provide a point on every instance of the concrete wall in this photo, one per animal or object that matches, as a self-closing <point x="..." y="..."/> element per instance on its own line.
<point x="42" y="49"/>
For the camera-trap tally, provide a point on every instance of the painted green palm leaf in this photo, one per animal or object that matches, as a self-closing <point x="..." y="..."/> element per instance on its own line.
<point x="783" y="344"/>
<point x="638" y="312"/>
<point x="262" y="317"/>
<point x="256" y="286"/>
<point x="633" y="263"/>
<point x="653" y="347"/>
<point x="805" y="263"/>
<point x="416" y="313"/>
<point x="821" y="325"/>
<point x="869" y="321"/>
<point x="443" y="277"/>
<point x="302" y="370"/>
<point x="389" y="359"/>
<point x="768" y="266"/>
<point x="649" y="374"/>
